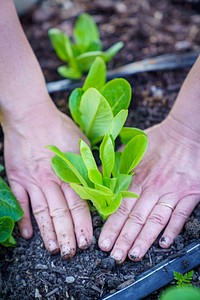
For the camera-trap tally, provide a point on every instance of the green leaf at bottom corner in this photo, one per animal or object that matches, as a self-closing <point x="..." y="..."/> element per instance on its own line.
<point x="6" y="227"/>
<point x="10" y="242"/>
<point x="9" y="206"/>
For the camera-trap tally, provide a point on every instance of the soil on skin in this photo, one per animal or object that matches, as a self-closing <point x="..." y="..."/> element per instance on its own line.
<point x="148" y="28"/>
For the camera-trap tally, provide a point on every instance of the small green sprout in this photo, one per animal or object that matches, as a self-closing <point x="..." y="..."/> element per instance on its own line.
<point x="80" y="53"/>
<point x="183" y="280"/>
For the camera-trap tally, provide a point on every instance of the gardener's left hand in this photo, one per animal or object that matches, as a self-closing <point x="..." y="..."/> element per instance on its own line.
<point x="167" y="181"/>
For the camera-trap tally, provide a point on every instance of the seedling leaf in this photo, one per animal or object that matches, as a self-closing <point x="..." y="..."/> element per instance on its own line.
<point x="96" y="77"/>
<point x="133" y="153"/>
<point x="118" y="94"/>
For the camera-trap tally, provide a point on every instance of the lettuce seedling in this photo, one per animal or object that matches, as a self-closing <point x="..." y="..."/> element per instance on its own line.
<point x="101" y="110"/>
<point x="10" y="212"/>
<point x="80" y="53"/>
<point x="94" y="106"/>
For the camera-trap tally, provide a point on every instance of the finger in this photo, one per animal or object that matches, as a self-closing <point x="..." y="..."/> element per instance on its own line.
<point x="25" y="226"/>
<point x="181" y="213"/>
<point x="155" y="223"/>
<point x="81" y="217"/>
<point x="134" y="223"/>
<point x="62" y="220"/>
<point x="41" y="213"/>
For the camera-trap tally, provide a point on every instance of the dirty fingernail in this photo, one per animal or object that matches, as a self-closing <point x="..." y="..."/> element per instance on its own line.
<point x="83" y="242"/>
<point x="53" y="247"/>
<point x="134" y="253"/>
<point x="106" y="244"/>
<point x="165" y="241"/>
<point x="65" y="251"/>
<point x="117" y="255"/>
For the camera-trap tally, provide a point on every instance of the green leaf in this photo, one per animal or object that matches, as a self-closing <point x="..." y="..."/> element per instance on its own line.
<point x="94" y="46"/>
<point x="118" y="94"/>
<point x="10" y="242"/>
<point x="96" y="77"/>
<point x="112" y="51"/>
<point x="85" y="60"/>
<point x="85" y="32"/>
<point x="128" y="194"/>
<point x="68" y="72"/>
<point x="74" y="105"/>
<point x="133" y="153"/>
<point x="58" y="40"/>
<point x="64" y="172"/>
<point x="90" y="163"/>
<point x="109" y="182"/>
<point x="117" y="123"/>
<point x="123" y="183"/>
<point x="96" y="115"/>
<point x="76" y="172"/>
<point x="127" y="133"/>
<point x="183" y="293"/>
<point x="104" y="203"/>
<point x="107" y="156"/>
<point x="6" y="227"/>
<point x="9" y="206"/>
<point x="115" y="171"/>
<point x="1" y="168"/>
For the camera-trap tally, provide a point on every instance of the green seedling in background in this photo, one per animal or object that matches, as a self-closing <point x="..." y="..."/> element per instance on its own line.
<point x="183" y="280"/>
<point x="101" y="110"/>
<point x="80" y="53"/>
<point x="10" y="212"/>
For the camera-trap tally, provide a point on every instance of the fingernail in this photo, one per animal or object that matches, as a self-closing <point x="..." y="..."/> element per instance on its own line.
<point x="65" y="251"/>
<point x="165" y="241"/>
<point x="53" y="247"/>
<point x="134" y="253"/>
<point x="117" y="255"/>
<point x="106" y="244"/>
<point x="83" y="242"/>
<point x="25" y="233"/>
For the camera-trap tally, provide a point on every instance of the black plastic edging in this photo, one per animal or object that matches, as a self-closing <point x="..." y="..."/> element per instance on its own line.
<point x="162" y="62"/>
<point x="160" y="275"/>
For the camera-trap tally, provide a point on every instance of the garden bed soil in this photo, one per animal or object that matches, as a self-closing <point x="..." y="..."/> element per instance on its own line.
<point x="148" y="28"/>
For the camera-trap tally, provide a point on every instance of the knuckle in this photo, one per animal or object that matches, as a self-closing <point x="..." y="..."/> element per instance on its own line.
<point x="123" y="209"/>
<point x="138" y="218"/>
<point x="58" y="212"/>
<point x="40" y="209"/>
<point x="183" y="214"/>
<point x="157" y="218"/>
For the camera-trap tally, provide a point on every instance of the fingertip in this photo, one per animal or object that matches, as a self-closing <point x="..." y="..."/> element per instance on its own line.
<point x="165" y="242"/>
<point x="26" y="233"/>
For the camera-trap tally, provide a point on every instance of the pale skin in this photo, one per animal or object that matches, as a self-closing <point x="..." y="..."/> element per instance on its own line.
<point x="169" y="172"/>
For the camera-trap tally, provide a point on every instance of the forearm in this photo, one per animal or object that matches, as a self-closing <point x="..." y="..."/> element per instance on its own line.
<point x="22" y="83"/>
<point x="184" y="118"/>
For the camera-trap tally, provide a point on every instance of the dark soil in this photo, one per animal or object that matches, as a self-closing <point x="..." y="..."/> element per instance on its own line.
<point x="148" y="28"/>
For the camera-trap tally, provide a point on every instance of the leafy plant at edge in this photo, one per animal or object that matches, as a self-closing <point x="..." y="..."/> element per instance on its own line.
<point x="80" y="54"/>
<point x="183" y="289"/>
<point x="183" y="279"/>
<point x="10" y="212"/>
<point x="101" y="110"/>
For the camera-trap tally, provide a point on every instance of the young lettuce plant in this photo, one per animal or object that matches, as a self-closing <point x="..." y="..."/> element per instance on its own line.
<point x="10" y="212"/>
<point x="94" y="106"/>
<point x="101" y="110"/>
<point x="80" y="54"/>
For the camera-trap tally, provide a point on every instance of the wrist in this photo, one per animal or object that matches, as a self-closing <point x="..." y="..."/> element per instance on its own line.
<point x="181" y="132"/>
<point x="26" y="111"/>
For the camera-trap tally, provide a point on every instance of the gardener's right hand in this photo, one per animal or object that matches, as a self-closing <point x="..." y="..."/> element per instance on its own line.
<point x="61" y="215"/>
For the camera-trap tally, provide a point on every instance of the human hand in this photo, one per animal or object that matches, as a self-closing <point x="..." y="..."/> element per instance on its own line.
<point x="167" y="181"/>
<point x="61" y="215"/>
